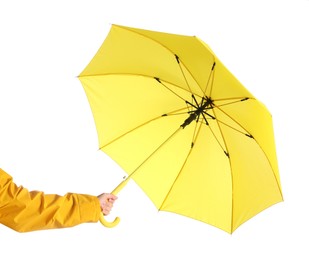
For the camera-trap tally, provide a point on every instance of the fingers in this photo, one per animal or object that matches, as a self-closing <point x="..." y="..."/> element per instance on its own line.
<point x="106" y="202"/>
<point x="111" y="197"/>
<point x="107" y="207"/>
<point x="106" y="210"/>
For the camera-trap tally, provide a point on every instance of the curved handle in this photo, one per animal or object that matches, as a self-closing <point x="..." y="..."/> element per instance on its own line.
<point x="114" y="223"/>
<point x="105" y="223"/>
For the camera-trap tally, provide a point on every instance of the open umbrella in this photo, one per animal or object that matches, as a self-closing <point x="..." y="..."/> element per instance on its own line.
<point x="195" y="140"/>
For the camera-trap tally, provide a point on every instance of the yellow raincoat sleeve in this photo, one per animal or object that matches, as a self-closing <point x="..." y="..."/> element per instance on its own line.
<point x="24" y="210"/>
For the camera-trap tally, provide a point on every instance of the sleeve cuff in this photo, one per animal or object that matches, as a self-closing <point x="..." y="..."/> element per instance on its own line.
<point x="89" y="208"/>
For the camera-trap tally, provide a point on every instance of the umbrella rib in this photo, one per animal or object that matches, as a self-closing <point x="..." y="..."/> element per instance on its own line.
<point x="241" y="98"/>
<point x="175" y="112"/>
<point x="207" y="84"/>
<point x="219" y="121"/>
<point x="149" y="156"/>
<point x="183" y="165"/>
<point x="224" y="150"/>
<point x="222" y="147"/>
<point x="115" y="74"/>
<point x="232" y="181"/>
<point x="236" y="100"/>
<point x="164" y="46"/>
<point x="249" y="135"/>
<point x="160" y="80"/>
<point x="183" y="74"/>
<point x="129" y="131"/>
<point x="211" y="76"/>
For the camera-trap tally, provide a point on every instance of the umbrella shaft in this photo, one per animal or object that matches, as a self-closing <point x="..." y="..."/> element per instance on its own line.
<point x="120" y="186"/>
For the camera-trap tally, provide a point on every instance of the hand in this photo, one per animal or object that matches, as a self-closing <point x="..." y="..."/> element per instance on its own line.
<point x="106" y="202"/>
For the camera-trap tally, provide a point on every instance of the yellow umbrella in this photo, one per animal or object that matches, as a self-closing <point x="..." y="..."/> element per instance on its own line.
<point x="195" y="140"/>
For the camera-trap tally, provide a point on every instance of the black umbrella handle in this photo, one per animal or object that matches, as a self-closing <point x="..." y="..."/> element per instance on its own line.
<point x="115" y="222"/>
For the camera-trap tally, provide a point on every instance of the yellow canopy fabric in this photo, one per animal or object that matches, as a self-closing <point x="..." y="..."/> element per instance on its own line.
<point x="182" y="126"/>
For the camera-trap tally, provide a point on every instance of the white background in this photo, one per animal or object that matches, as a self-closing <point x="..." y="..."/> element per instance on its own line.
<point x="48" y="139"/>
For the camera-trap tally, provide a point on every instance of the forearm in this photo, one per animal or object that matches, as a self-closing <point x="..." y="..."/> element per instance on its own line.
<point x="24" y="211"/>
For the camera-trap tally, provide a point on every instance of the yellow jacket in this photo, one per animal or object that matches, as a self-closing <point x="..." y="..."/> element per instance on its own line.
<point x="25" y="211"/>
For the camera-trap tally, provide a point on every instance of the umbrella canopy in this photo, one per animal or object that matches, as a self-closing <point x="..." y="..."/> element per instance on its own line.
<point x="182" y="126"/>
